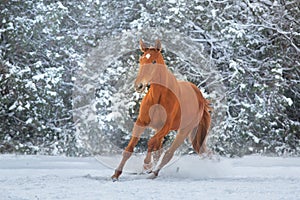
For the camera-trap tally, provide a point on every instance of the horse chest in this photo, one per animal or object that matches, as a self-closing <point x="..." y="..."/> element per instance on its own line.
<point x="162" y="108"/>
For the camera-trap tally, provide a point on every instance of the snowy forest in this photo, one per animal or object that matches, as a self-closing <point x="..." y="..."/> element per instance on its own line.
<point x="67" y="70"/>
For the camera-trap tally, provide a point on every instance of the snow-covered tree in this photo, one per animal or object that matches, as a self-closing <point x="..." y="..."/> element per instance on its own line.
<point x="67" y="70"/>
<point x="37" y="60"/>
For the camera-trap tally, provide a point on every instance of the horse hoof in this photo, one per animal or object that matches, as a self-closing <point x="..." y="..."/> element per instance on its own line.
<point x="149" y="171"/>
<point x="114" y="179"/>
<point x="116" y="175"/>
<point x="153" y="175"/>
<point x="148" y="168"/>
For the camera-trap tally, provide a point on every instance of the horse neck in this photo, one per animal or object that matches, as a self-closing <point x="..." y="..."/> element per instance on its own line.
<point x="167" y="79"/>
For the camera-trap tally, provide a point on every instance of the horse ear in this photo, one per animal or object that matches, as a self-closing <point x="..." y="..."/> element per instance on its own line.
<point x="158" y="45"/>
<point x="142" y="46"/>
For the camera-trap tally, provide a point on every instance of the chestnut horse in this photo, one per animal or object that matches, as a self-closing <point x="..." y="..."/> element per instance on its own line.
<point x="168" y="105"/>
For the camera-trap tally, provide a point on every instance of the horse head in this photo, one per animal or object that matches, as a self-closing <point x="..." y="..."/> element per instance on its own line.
<point x="151" y="64"/>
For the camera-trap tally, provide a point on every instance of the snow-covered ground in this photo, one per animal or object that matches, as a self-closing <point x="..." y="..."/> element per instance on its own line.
<point x="57" y="177"/>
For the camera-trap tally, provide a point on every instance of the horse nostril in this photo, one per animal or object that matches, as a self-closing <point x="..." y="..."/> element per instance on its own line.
<point x="139" y="86"/>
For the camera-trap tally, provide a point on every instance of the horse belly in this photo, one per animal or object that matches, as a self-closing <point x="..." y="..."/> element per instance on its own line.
<point x="176" y="118"/>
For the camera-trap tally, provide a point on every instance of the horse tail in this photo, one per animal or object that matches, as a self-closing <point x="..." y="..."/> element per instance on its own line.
<point x="199" y="135"/>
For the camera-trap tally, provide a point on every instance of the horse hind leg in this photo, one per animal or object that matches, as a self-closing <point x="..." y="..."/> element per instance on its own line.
<point x="180" y="137"/>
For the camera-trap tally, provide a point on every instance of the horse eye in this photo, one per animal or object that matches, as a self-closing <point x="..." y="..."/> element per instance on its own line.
<point x="154" y="61"/>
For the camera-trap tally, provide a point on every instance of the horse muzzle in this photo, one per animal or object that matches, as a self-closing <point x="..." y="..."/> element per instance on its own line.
<point x="141" y="87"/>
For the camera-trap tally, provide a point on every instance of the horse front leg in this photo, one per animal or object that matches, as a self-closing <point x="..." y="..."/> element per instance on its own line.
<point x="136" y="134"/>
<point x="155" y="149"/>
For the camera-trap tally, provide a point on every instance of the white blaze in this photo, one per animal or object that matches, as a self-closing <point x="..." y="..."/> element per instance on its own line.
<point x="148" y="55"/>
